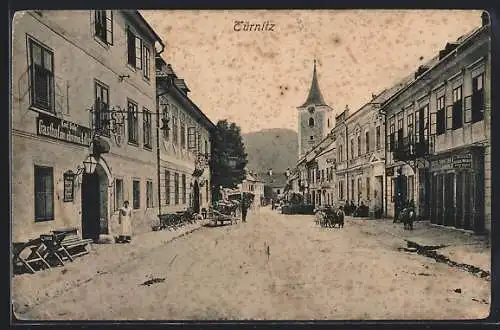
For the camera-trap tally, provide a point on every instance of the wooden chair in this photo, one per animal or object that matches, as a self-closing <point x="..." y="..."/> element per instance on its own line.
<point x="53" y="242"/>
<point x="31" y="253"/>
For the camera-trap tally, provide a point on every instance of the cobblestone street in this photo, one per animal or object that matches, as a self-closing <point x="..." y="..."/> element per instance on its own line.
<point x="272" y="267"/>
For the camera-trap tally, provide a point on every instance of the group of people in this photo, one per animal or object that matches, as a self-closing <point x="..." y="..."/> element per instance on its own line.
<point x="356" y="211"/>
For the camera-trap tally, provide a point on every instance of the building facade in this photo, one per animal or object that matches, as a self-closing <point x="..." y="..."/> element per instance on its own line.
<point x="254" y="185"/>
<point x="184" y="145"/>
<point x="83" y="91"/>
<point x="438" y="151"/>
<point x="315" y="118"/>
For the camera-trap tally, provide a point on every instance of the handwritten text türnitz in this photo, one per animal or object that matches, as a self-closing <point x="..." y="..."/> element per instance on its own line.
<point x="246" y="26"/>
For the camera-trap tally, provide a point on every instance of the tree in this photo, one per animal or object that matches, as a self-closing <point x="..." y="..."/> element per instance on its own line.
<point x="228" y="160"/>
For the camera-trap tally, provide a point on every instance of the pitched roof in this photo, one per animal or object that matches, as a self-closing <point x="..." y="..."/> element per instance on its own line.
<point x="314" y="97"/>
<point x="276" y="180"/>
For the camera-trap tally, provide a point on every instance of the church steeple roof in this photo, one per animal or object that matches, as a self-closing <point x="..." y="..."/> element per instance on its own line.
<point x="314" y="97"/>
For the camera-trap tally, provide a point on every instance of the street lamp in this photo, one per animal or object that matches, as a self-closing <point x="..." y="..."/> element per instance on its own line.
<point x="90" y="164"/>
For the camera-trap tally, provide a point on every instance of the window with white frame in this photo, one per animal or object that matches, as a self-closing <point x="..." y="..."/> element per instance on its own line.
<point x="134" y="50"/>
<point x="103" y="25"/>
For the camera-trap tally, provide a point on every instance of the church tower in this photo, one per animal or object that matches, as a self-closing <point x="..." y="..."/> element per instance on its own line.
<point x="315" y="118"/>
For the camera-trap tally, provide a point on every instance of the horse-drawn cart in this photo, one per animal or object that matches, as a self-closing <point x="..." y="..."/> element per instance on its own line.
<point x="224" y="211"/>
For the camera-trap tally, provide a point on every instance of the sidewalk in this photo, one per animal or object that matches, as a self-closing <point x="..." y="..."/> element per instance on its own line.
<point x="29" y="290"/>
<point x="459" y="246"/>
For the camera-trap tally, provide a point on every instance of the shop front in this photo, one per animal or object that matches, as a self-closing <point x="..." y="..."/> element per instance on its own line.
<point x="458" y="189"/>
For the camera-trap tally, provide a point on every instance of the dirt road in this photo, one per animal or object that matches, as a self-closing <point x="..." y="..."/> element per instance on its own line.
<point x="277" y="267"/>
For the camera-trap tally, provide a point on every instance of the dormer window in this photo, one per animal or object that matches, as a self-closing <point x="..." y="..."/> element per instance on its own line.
<point x="311" y="122"/>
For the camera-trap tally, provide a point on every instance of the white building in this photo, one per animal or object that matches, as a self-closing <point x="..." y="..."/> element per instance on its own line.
<point x="185" y="147"/>
<point x="83" y="83"/>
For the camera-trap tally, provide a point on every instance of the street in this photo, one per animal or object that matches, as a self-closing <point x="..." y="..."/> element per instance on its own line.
<point x="278" y="267"/>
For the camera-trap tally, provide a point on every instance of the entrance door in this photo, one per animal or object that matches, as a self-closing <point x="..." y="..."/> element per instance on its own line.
<point x="459" y="200"/>
<point x="90" y="206"/>
<point x="196" y="197"/>
<point x="433" y="198"/>
<point x="423" y="193"/>
<point x="449" y="197"/>
<point x="439" y="199"/>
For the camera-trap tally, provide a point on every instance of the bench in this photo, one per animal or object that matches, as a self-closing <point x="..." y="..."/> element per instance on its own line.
<point x="72" y="242"/>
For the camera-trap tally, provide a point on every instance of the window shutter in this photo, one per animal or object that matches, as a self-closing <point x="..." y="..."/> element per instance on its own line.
<point x="433" y="123"/>
<point x="449" y="117"/>
<point x="109" y="27"/>
<point x="468" y="109"/>
<point x="138" y="53"/>
<point x="131" y="47"/>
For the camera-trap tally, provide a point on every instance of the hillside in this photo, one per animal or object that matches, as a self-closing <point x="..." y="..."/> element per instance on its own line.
<point x="275" y="148"/>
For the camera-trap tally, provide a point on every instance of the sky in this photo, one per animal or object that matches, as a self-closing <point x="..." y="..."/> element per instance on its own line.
<point x="257" y="79"/>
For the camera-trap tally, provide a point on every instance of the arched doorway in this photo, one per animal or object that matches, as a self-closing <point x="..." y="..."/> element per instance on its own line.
<point x="95" y="203"/>
<point x="196" y="197"/>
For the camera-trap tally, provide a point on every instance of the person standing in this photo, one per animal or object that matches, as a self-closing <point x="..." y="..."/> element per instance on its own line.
<point x="244" y="209"/>
<point x="125" y="221"/>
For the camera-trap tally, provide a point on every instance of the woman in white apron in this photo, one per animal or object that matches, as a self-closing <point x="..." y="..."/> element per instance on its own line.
<point x="125" y="221"/>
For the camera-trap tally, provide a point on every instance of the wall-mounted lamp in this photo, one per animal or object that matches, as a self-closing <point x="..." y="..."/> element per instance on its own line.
<point x="123" y="76"/>
<point x="90" y="164"/>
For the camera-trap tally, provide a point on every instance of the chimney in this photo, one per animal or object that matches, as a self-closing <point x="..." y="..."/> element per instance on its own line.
<point x="270" y="172"/>
<point x="485" y="18"/>
<point x="374" y="96"/>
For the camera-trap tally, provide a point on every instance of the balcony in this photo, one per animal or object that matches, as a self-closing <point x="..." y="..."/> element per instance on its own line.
<point x="407" y="149"/>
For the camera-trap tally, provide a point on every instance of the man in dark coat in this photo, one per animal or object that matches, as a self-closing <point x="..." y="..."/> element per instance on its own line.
<point x="244" y="208"/>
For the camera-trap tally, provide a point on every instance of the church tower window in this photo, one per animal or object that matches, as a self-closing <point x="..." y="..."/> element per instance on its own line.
<point x="311" y="122"/>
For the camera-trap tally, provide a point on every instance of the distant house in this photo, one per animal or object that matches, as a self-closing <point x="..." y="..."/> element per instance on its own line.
<point x="253" y="184"/>
<point x="274" y="184"/>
